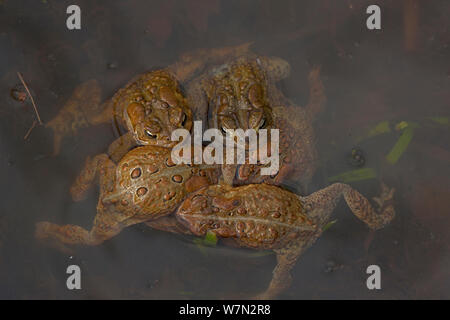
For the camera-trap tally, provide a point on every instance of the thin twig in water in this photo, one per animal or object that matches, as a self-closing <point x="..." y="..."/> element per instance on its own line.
<point x="29" y="130"/>
<point x="31" y="98"/>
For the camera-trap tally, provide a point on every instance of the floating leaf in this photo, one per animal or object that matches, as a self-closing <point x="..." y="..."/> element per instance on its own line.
<point x="354" y="175"/>
<point x="404" y="124"/>
<point x="328" y="225"/>
<point x="380" y="128"/>
<point x="210" y="239"/>
<point x="401" y="145"/>
<point x="401" y="125"/>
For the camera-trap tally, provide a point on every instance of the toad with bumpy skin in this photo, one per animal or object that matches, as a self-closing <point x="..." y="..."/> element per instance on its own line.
<point x="145" y="185"/>
<point x="297" y="151"/>
<point x="263" y="216"/>
<point x="236" y="92"/>
<point x="241" y="94"/>
<point x="150" y="106"/>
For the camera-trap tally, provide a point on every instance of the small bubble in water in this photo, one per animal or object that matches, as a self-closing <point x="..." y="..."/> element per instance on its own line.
<point x="112" y="65"/>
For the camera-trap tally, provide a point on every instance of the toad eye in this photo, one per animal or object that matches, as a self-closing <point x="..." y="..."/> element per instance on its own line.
<point x="262" y="123"/>
<point x="149" y="134"/>
<point x="184" y="119"/>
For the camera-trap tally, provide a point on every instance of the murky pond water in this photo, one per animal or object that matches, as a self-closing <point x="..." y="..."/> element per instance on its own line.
<point x="388" y="101"/>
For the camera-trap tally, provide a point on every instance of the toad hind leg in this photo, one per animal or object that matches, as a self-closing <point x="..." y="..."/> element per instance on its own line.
<point x="104" y="228"/>
<point x="320" y="205"/>
<point x="282" y="278"/>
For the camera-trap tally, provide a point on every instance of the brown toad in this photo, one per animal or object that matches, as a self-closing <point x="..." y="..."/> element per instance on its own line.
<point x="150" y="106"/>
<point x="263" y="216"/>
<point x="242" y="94"/>
<point x="297" y="150"/>
<point x="144" y="185"/>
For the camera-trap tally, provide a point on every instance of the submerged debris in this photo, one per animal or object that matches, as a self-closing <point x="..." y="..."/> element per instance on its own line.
<point x="29" y="130"/>
<point x="31" y="97"/>
<point x="380" y="128"/>
<point x="401" y="145"/>
<point x="328" y="225"/>
<point x="18" y="93"/>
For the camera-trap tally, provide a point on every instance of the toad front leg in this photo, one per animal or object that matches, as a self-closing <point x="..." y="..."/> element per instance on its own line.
<point x="119" y="147"/>
<point x="99" y="166"/>
<point x="78" y="112"/>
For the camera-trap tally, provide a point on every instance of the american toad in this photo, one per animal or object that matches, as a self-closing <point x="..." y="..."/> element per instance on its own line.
<point x="235" y="93"/>
<point x="242" y="93"/>
<point x="144" y="185"/>
<point x="297" y="151"/>
<point x="263" y="216"/>
<point x="150" y="106"/>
